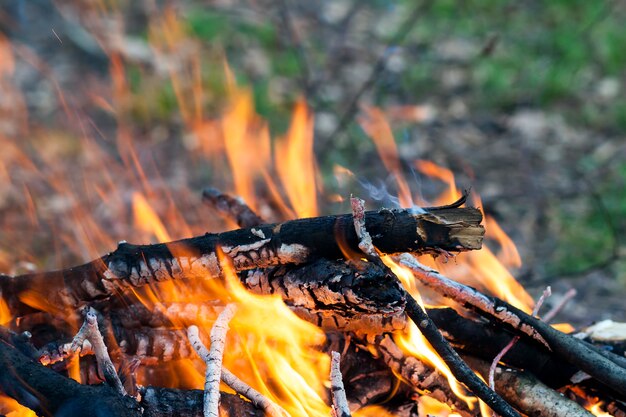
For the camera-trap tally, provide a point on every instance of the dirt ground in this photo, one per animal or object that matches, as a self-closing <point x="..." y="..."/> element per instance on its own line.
<point x="554" y="182"/>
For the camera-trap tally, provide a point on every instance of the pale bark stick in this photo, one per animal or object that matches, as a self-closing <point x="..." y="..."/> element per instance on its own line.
<point x="89" y="331"/>
<point x="259" y="400"/>
<point x="213" y="358"/>
<point x="529" y="395"/>
<point x="340" y="406"/>
<point x="600" y="366"/>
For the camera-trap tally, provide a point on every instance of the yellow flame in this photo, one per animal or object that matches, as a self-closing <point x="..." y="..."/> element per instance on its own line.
<point x="146" y="219"/>
<point x="281" y="356"/>
<point x="428" y="406"/>
<point x="295" y="162"/>
<point x="11" y="408"/>
<point x="414" y="343"/>
<point x="5" y="313"/>
<point x="597" y="411"/>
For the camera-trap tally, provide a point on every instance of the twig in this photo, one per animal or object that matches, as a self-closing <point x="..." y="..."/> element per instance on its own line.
<point x="213" y="358"/>
<point x="259" y="400"/>
<point x="365" y="240"/>
<point x="89" y="331"/>
<point x="494" y="364"/>
<point x="231" y="207"/>
<point x="604" y="367"/>
<point x="549" y="316"/>
<point x="459" y="369"/>
<point x="338" y="393"/>
<point x="49" y="393"/>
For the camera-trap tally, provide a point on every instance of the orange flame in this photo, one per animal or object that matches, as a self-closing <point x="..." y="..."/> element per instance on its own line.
<point x="11" y="408"/>
<point x="146" y="219"/>
<point x="596" y="410"/>
<point x="296" y="163"/>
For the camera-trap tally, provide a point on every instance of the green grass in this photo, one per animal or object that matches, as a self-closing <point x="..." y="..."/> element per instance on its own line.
<point x="585" y="235"/>
<point x="549" y="53"/>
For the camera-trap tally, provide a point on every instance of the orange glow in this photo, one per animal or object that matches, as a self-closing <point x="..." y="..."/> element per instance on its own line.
<point x="376" y="126"/>
<point x="5" y="313"/>
<point x="415" y="344"/>
<point x="146" y="220"/>
<point x="444" y="175"/>
<point x="563" y="327"/>
<point x="597" y="411"/>
<point x="295" y="162"/>
<point x="11" y="408"/>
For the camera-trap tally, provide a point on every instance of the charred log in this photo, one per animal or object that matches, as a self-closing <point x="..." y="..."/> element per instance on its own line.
<point x="292" y="242"/>
<point x="49" y="393"/>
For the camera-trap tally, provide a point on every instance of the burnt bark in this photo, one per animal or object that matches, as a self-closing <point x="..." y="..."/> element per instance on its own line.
<point x="529" y="395"/>
<point x="51" y="394"/>
<point x="170" y="402"/>
<point x="293" y="242"/>
<point x="232" y="208"/>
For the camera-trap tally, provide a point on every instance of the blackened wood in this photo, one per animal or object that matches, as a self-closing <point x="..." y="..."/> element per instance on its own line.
<point x="293" y="242"/>
<point x="417" y="374"/>
<point x="528" y="394"/>
<point x="231" y="207"/>
<point x="484" y="340"/>
<point x="169" y="402"/>
<point x="49" y="393"/>
<point x="459" y="369"/>
<point x="603" y="366"/>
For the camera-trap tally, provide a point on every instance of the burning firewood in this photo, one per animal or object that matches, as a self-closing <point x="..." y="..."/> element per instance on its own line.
<point x="360" y="302"/>
<point x="449" y="229"/>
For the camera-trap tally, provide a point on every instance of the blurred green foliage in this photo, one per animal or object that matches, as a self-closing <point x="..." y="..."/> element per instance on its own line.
<point x="588" y="235"/>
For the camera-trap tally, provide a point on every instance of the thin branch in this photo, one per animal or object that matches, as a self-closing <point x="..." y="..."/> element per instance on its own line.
<point x="89" y="331"/>
<point x="233" y="208"/>
<point x="259" y="400"/>
<point x="549" y="316"/>
<point x="340" y="406"/>
<point x="459" y="369"/>
<point x="603" y="366"/>
<point x="240" y="387"/>
<point x="529" y="395"/>
<point x="213" y="358"/>
<point x="492" y="369"/>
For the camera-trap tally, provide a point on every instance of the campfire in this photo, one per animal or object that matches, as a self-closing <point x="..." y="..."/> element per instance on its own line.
<point x="282" y="308"/>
